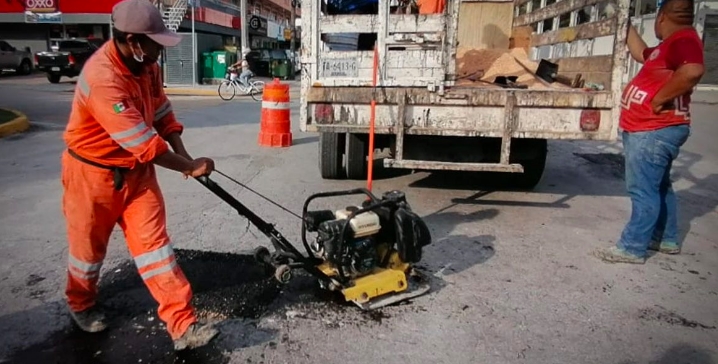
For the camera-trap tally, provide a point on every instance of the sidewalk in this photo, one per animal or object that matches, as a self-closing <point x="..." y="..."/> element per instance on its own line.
<point x="211" y="90"/>
<point x="705" y="96"/>
<point x="12" y="122"/>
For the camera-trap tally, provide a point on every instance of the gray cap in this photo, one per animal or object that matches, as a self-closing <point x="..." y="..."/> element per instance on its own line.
<point x="141" y="17"/>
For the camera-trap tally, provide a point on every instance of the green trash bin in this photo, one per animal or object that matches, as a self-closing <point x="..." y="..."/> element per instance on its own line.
<point x="280" y="68"/>
<point x="207" y="71"/>
<point x="219" y="64"/>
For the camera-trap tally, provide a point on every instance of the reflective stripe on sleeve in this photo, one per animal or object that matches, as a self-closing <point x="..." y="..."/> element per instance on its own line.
<point x="134" y="136"/>
<point x="163" y="110"/>
<point x="82" y="85"/>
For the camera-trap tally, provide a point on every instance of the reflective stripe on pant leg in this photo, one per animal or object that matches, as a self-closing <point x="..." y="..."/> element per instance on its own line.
<point x="91" y="208"/>
<point x="83" y="270"/>
<point x="145" y="229"/>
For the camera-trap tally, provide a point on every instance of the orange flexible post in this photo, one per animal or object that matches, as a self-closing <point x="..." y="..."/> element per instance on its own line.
<point x="372" y="119"/>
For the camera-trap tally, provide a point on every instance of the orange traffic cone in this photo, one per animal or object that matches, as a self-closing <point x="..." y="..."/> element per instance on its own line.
<point x="275" y="128"/>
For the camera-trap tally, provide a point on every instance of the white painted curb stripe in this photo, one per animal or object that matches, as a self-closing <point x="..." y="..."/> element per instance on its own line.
<point x="273" y="105"/>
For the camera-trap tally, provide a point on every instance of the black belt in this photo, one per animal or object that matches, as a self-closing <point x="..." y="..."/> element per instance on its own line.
<point x="118" y="172"/>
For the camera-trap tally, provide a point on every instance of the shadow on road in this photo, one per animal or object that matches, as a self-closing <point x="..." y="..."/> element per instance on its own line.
<point x="229" y="287"/>
<point x="604" y="175"/>
<point x="682" y="354"/>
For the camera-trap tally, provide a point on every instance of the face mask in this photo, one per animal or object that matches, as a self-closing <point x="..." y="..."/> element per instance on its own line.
<point x="141" y="57"/>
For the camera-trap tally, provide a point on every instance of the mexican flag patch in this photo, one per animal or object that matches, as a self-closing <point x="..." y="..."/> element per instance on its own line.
<point x="119" y="107"/>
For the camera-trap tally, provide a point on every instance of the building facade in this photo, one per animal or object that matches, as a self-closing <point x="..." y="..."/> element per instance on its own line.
<point x="38" y="24"/>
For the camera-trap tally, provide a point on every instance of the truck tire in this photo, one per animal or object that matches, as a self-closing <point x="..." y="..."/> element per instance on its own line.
<point x="53" y="78"/>
<point x="533" y="167"/>
<point x="25" y="67"/>
<point x="357" y="149"/>
<point x="331" y="153"/>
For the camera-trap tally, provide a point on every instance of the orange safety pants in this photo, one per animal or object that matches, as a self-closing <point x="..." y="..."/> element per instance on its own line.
<point x="92" y="207"/>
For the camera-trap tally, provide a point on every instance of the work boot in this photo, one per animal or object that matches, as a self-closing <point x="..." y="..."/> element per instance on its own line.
<point x="615" y="254"/>
<point x="89" y="320"/>
<point x="196" y="335"/>
<point x="665" y="247"/>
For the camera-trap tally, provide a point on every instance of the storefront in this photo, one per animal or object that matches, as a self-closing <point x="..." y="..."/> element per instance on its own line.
<point x="262" y="33"/>
<point x="35" y="23"/>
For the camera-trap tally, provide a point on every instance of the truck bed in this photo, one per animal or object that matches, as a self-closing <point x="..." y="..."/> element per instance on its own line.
<point x="438" y="102"/>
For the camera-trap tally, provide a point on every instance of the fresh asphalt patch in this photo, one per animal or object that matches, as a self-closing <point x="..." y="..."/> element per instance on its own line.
<point x="233" y="290"/>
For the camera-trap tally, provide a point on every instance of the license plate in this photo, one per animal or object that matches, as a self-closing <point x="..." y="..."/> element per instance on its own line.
<point x="339" y="68"/>
<point x="55" y="68"/>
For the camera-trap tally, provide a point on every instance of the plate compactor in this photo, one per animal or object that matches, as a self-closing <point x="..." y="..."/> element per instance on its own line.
<point x="365" y="252"/>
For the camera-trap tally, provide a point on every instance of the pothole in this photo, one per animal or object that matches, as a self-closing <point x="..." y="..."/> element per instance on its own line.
<point x="225" y="286"/>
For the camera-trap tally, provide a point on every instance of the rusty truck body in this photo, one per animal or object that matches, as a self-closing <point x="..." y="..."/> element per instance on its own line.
<point x="429" y="117"/>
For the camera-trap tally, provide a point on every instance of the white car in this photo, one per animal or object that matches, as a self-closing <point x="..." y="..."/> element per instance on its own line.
<point x="14" y="59"/>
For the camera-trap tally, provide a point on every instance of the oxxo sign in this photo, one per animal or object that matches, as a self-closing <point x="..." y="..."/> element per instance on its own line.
<point x="41" y="6"/>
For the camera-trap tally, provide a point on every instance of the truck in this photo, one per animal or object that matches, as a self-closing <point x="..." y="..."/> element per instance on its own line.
<point x="18" y="60"/>
<point x="476" y="86"/>
<point x="66" y="57"/>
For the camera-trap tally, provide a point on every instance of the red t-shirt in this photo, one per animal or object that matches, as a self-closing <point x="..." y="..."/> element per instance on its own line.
<point x="682" y="47"/>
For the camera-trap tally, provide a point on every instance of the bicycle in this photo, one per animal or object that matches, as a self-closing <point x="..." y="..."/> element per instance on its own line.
<point x="228" y="88"/>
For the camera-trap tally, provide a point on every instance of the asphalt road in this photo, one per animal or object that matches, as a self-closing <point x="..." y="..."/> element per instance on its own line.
<point x="512" y="277"/>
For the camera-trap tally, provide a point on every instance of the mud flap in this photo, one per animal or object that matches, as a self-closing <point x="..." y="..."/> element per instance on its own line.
<point x="418" y="284"/>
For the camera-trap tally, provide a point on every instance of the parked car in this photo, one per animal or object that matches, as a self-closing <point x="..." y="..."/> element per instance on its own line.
<point x="14" y="59"/>
<point x="67" y="59"/>
<point x="260" y="59"/>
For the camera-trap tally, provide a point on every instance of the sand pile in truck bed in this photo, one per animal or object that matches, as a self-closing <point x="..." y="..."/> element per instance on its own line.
<point x="486" y="64"/>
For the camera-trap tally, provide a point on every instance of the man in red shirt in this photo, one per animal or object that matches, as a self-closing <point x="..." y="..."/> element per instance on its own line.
<point x="655" y="119"/>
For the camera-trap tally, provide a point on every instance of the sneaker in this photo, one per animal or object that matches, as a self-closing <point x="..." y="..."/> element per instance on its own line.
<point x="89" y="320"/>
<point x="196" y="335"/>
<point x="615" y="254"/>
<point x="665" y="247"/>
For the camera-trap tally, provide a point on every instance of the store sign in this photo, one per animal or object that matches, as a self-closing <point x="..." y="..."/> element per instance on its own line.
<point x="41" y="6"/>
<point x="42" y="11"/>
<point x="258" y="25"/>
<point x="46" y="18"/>
<point x="287" y="34"/>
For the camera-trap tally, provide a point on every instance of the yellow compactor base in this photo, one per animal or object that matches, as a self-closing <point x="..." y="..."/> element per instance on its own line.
<point x="384" y="286"/>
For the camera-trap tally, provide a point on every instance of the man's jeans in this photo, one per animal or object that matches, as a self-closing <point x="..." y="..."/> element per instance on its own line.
<point x="649" y="157"/>
<point x="244" y="77"/>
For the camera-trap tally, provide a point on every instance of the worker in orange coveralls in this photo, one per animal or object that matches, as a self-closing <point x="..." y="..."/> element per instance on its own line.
<point x="119" y="127"/>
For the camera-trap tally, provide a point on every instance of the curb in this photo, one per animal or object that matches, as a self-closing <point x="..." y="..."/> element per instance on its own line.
<point x="189" y="92"/>
<point x="17" y="125"/>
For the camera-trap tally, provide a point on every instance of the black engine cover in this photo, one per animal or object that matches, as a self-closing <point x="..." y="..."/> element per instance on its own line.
<point x="313" y="219"/>
<point x="412" y="235"/>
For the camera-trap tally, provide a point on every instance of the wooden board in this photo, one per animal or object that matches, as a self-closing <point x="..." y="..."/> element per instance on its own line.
<point x="596" y="69"/>
<point x="521" y="38"/>
<point x="485" y="25"/>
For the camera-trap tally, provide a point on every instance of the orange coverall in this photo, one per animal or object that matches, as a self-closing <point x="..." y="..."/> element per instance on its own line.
<point x="118" y="120"/>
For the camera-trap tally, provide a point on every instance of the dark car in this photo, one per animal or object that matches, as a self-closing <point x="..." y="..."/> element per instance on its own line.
<point x="260" y="60"/>
<point x="66" y="58"/>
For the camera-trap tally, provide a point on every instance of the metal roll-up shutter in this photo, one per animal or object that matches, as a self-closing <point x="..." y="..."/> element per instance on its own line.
<point x="710" y="47"/>
<point x="178" y="64"/>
